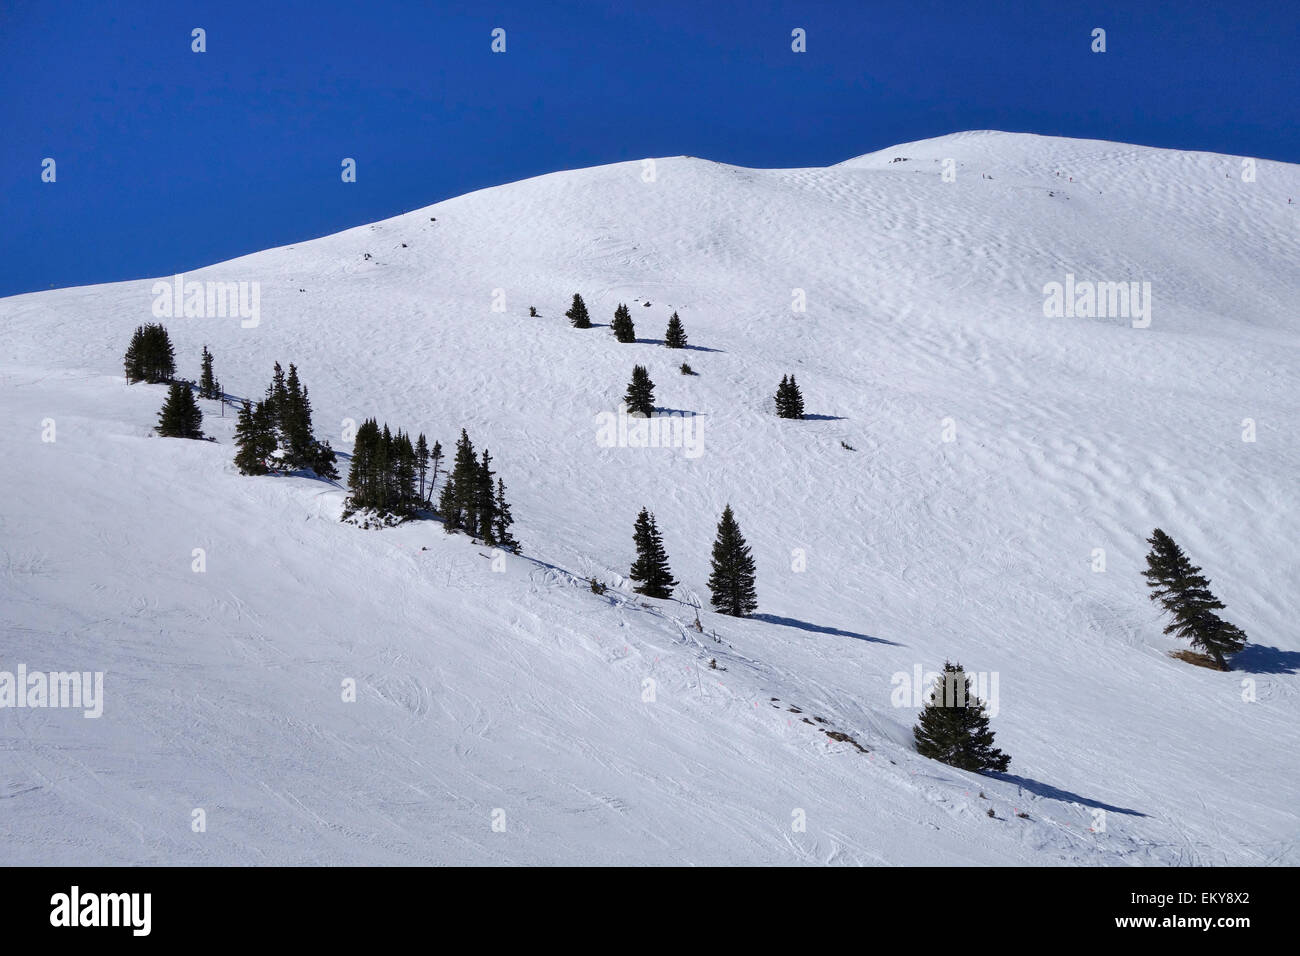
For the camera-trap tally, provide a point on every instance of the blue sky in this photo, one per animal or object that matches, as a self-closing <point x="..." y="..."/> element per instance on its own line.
<point x="169" y="159"/>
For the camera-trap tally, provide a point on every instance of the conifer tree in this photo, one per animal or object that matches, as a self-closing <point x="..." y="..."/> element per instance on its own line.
<point x="640" y="397"/>
<point x="955" y="729"/>
<point x="504" y="519"/>
<point x="421" y="462"/>
<point x="458" y="503"/>
<point x="254" y="438"/>
<point x="485" y="500"/>
<point x="622" y="326"/>
<point x="1181" y="589"/>
<point x="789" y="400"/>
<point x="277" y="397"/>
<point x="180" y="416"/>
<point x="435" y="458"/>
<point x="675" y="337"/>
<point x="650" y="569"/>
<point x="150" y="357"/>
<point x="577" y="313"/>
<point x="208" y="385"/>
<point x="732" y="579"/>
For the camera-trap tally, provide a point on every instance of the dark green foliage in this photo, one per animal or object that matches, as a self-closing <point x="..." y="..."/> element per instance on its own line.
<point x="789" y="400"/>
<point x="458" y="503"/>
<point x="640" y="397"/>
<point x="687" y="370"/>
<point x="255" y="439"/>
<point x="955" y="729"/>
<point x="504" y="519"/>
<point x="1179" y="588"/>
<point x="485" y="501"/>
<point x="209" y="387"/>
<point x="435" y="459"/>
<point x="675" y="338"/>
<point x="383" y="473"/>
<point x="622" y="326"/>
<point x="532" y="311"/>
<point x="650" y="569"/>
<point x="149" y="357"/>
<point x="732" y="579"/>
<point x="422" y="463"/>
<point x="577" y="313"/>
<point x="180" y="416"/>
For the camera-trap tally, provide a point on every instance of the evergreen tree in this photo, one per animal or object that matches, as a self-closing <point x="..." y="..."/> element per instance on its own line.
<point x="421" y="462"/>
<point x="254" y="438"/>
<point x="180" y="416"/>
<point x="324" y="462"/>
<point x="150" y="357"/>
<point x="955" y="729"/>
<point x="675" y="338"/>
<point x="640" y="397"/>
<point x="504" y="519"/>
<point x="1179" y="588"/>
<point x="485" y="500"/>
<point x="622" y="325"/>
<point x="435" y="458"/>
<point x="650" y="569"/>
<point x="363" y="476"/>
<point x="277" y="397"/>
<point x="578" y="313"/>
<point x="789" y="400"/>
<point x="458" y="503"/>
<point x="732" y="579"/>
<point x="208" y="385"/>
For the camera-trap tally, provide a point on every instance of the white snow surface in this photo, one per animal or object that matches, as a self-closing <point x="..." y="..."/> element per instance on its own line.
<point x="518" y="695"/>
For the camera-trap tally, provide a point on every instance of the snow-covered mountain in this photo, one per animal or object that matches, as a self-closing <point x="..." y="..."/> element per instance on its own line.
<point x="998" y="456"/>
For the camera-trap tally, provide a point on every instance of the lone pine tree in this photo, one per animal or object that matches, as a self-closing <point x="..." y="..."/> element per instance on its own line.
<point x="209" y="387"/>
<point x="955" y="729"/>
<point x="180" y="416"/>
<point x="640" y="397"/>
<point x="577" y="313"/>
<point x="150" y="357"/>
<point x="675" y="337"/>
<point x="731" y="582"/>
<point x="503" y="520"/>
<point x="622" y="325"/>
<point x="789" y="400"/>
<point x="650" y="569"/>
<point x="1179" y="588"/>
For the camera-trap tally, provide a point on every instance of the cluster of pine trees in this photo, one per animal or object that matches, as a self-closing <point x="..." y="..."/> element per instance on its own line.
<point x="731" y="580"/>
<point x="1180" y="588"/>
<point x="471" y="502"/>
<point x="789" y="400"/>
<point x="281" y="423"/>
<point x="150" y="357"/>
<point x="389" y="474"/>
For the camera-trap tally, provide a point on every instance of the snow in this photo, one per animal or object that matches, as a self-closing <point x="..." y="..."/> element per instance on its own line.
<point x="518" y="695"/>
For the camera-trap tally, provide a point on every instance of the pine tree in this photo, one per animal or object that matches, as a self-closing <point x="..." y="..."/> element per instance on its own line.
<point x="789" y="400"/>
<point x="732" y="579"/>
<point x="421" y="462"/>
<point x="640" y="397"/>
<point x="622" y="325"/>
<point x="435" y="457"/>
<point x="1179" y="588"/>
<point x="675" y="338"/>
<point x="485" y="500"/>
<point x="955" y="729"/>
<point x="578" y="313"/>
<point x="208" y="387"/>
<point x="504" y="519"/>
<point x="458" y="503"/>
<point x="254" y="439"/>
<point x="180" y="416"/>
<point x="150" y="357"/>
<point x="364" y="476"/>
<point x="650" y="569"/>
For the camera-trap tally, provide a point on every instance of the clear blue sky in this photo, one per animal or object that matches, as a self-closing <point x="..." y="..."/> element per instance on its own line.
<point x="169" y="159"/>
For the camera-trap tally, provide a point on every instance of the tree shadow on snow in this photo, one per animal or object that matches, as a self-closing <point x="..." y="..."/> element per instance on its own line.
<point x="1038" y="788"/>
<point x="821" y="628"/>
<point x="684" y="348"/>
<point x="824" y="418"/>
<point x="1258" y="659"/>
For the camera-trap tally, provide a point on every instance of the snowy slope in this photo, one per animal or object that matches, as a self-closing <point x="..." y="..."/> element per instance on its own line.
<point x="523" y="691"/>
